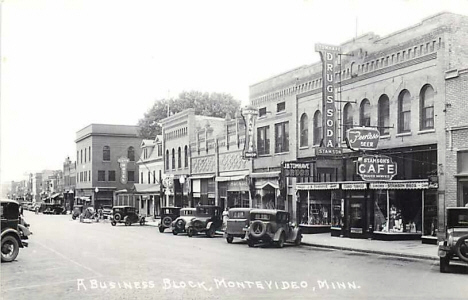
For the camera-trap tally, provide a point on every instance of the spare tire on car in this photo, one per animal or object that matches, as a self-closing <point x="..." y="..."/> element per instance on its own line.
<point x="257" y="229"/>
<point x="461" y="248"/>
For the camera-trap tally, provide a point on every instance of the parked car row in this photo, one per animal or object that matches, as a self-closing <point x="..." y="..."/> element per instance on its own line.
<point x="255" y="225"/>
<point x="454" y="247"/>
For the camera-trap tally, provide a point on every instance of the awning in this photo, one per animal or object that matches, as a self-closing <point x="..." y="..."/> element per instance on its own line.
<point x="317" y="186"/>
<point x="71" y="192"/>
<point x="206" y="176"/>
<point x="266" y="174"/>
<point x="275" y="186"/>
<point x="54" y="195"/>
<point x="146" y="188"/>
<point x="230" y="178"/>
<point x="84" y="198"/>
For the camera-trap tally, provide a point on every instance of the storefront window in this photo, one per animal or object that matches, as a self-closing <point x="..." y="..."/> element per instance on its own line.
<point x="317" y="209"/>
<point x="430" y="213"/>
<point x="337" y="213"/>
<point x="405" y="212"/>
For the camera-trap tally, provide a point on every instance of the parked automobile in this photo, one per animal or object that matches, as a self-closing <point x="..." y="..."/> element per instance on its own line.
<point x="238" y="220"/>
<point x="54" y="209"/>
<point x="207" y="219"/>
<point x="77" y="211"/>
<point x="127" y="215"/>
<point x="186" y="215"/>
<point x="168" y="214"/>
<point x="106" y="211"/>
<point x="11" y="237"/>
<point x="273" y="227"/>
<point x="454" y="247"/>
<point x="89" y="214"/>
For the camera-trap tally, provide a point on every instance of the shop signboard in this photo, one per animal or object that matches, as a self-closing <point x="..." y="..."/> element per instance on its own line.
<point x="376" y="167"/>
<point x="363" y="138"/>
<point x="296" y="169"/>
<point x="318" y="186"/>
<point x="250" y="115"/>
<point x="328" y="54"/>
<point x="400" y="185"/>
<point x="123" y="161"/>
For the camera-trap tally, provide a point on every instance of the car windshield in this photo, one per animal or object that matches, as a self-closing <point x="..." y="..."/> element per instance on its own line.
<point x="262" y="217"/>
<point x="204" y="210"/>
<point x="130" y="210"/>
<point x="457" y="218"/>
<point x="186" y="212"/>
<point x="238" y="215"/>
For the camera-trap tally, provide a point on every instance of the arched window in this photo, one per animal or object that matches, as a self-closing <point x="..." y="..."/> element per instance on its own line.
<point x="154" y="176"/>
<point x="179" y="158"/>
<point x="131" y="153"/>
<point x="106" y="153"/>
<point x="404" y="112"/>
<point x="304" y="130"/>
<point x="149" y="177"/>
<point x="364" y="116"/>
<point x="167" y="159"/>
<point x="427" y="107"/>
<point x="89" y="153"/>
<point x="186" y="156"/>
<point x="173" y="159"/>
<point x="317" y="127"/>
<point x="384" y="115"/>
<point x="85" y="154"/>
<point x="347" y="118"/>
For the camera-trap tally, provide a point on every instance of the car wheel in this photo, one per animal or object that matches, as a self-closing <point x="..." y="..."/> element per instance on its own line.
<point x="210" y="232"/>
<point x="10" y="248"/>
<point x="166" y="221"/>
<point x="298" y="240"/>
<point x="229" y="239"/>
<point x="73" y="217"/>
<point x="117" y="217"/>
<point x="190" y="231"/>
<point x="142" y="222"/>
<point x="174" y="232"/>
<point x="444" y="264"/>
<point x="128" y="223"/>
<point x="113" y="223"/>
<point x="461" y="248"/>
<point x="250" y="243"/>
<point x="280" y="243"/>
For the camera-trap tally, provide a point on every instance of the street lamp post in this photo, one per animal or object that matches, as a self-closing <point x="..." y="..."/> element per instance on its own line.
<point x="96" y="191"/>
<point x="181" y="181"/>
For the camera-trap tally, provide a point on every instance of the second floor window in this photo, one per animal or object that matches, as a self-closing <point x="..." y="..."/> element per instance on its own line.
<point x="263" y="140"/>
<point x="106" y="153"/>
<point x="167" y="159"/>
<point x="101" y="176"/>
<point x="427" y="107"/>
<point x="173" y="159"/>
<point x="347" y="118"/>
<point x="186" y="156"/>
<point x="131" y="176"/>
<point x="262" y="112"/>
<point x="365" y="113"/>
<point x="281" y="107"/>
<point x="179" y="158"/>
<point x="111" y="175"/>
<point x="304" y="129"/>
<point x="317" y="128"/>
<point x="384" y="115"/>
<point x="282" y="137"/>
<point x="131" y="153"/>
<point x="404" y="112"/>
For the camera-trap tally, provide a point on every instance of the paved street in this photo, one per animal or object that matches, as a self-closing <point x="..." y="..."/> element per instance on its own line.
<point x="71" y="260"/>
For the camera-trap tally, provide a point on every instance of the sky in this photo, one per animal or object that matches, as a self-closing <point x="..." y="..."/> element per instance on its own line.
<point x="68" y="63"/>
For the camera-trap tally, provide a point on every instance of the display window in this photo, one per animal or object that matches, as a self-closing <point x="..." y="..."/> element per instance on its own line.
<point x="315" y="210"/>
<point x="398" y="211"/>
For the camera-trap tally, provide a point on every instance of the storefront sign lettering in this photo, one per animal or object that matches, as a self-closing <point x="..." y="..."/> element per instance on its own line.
<point x="293" y="169"/>
<point x="318" y="186"/>
<point x="410" y="185"/>
<point x="250" y="115"/>
<point x="328" y="55"/>
<point x="360" y="138"/>
<point x="378" y="167"/>
<point x="322" y="151"/>
<point x="123" y="161"/>
<point x="354" y="186"/>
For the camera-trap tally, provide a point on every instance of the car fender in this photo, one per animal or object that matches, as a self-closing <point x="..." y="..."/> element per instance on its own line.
<point x="189" y="223"/>
<point x="208" y="224"/>
<point x="25" y="230"/>
<point x="294" y="234"/>
<point x="13" y="233"/>
<point x="278" y="234"/>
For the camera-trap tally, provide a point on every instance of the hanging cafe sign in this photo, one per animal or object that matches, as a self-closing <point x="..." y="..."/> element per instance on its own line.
<point x="249" y="114"/>
<point x="376" y="167"/>
<point x="123" y="161"/>
<point x="328" y="55"/>
<point x="363" y="138"/>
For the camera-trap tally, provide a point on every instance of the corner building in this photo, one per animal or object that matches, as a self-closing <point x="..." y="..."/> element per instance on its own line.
<point x="397" y="84"/>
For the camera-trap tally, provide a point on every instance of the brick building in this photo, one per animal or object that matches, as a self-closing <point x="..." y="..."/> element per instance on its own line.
<point x="106" y="158"/>
<point x="396" y="83"/>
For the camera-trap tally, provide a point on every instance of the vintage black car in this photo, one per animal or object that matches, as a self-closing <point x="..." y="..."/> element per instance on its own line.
<point x="54" y="209"/>
<point x="207" y="219"/>
<point x="127" y="215"/>
<point x="106" y="211"/>
<point x="77" y="211"/>
<point x="186" y="215"/>
<point x="239" y="219"/>
<point x="168" y="214"/>
<point x="273" y="227"/>
<point x="454" y="247"/>
<point x="11" y="237"/>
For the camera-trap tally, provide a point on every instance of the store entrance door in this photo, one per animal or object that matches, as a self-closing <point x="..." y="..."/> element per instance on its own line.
<point x="357" y="221"/>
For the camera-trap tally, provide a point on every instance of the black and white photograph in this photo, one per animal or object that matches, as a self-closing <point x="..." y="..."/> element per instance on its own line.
<point x="221" y="149"/>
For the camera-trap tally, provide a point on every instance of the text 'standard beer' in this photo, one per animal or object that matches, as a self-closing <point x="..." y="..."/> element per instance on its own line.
<point x="328" y="55"/>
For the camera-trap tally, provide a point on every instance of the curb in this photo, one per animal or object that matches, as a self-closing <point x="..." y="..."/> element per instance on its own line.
<point x="397" y="254"/>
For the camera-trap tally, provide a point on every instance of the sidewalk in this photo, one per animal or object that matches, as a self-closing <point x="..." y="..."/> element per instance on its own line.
<point x="409" y="249"/>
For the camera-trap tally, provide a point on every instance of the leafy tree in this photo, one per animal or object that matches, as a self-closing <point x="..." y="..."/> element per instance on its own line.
<point x="213" y="105"/>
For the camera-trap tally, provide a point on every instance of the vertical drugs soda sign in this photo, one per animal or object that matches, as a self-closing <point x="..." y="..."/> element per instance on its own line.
<point x="123" y="161"/>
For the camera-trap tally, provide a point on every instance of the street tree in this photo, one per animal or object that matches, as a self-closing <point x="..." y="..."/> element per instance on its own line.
<point x="206" y="104"/>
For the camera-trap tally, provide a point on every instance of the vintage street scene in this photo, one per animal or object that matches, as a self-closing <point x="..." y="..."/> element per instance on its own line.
<point x="234" y="150"/>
